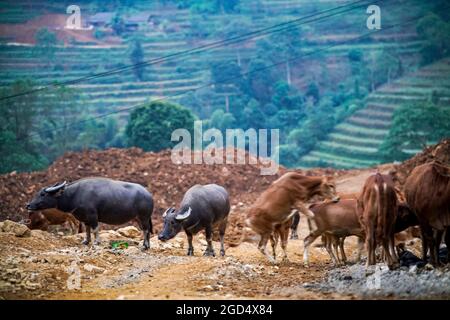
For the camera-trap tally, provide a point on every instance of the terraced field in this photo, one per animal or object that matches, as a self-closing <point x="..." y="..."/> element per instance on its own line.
<point x="171" y="79"/>
<point x="354" y="143"/>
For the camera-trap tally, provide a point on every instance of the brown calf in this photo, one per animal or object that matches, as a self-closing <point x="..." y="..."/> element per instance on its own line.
<point x="335" y="221"/>
<point x="427" y="191"/>
<point x="273" y="210"/>
<point x="377" y="212"/>
<point x="42" y="220"/>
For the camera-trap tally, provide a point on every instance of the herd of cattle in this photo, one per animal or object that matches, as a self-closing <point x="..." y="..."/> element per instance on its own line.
<point x="374" y="215"/>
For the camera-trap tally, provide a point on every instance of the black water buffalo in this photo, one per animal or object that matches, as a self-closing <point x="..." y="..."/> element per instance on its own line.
<point x="202" y="207"/>
<point x="94" y="200"/>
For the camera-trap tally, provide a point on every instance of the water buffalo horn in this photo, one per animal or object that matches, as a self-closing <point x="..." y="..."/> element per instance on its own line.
<point x="184" y="215"/>
<point x="55" y="187"/>
<point x="171" y="209"/>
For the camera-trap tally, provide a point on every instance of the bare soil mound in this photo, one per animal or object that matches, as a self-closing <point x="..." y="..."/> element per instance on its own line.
<point x="166" y="180"/>
<point x="438" y="152"/>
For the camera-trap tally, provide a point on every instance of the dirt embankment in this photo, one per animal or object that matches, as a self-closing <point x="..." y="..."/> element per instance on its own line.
<point x="166" y="180"/>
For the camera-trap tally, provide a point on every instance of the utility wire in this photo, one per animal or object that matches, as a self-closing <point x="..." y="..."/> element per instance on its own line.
<point x="222" y="82"/>
<point x="233" y="40"/>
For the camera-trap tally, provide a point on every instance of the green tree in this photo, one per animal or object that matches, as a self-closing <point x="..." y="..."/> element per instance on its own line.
<point x="60" y="111"/>
<point x="117" y="24"/>
<point x="150" y="127"/>
<point x="282" y="47"/>
<point x="436" y="35"/>
<point x="413" y="127"/>
<point x="46" y="42"/>
<point x="18" y="148"/>
<point x="137" y="58"/>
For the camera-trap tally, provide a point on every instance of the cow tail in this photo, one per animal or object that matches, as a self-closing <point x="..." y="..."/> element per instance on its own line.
<point x="380" y="199"/>
<point x="151" y="225"/>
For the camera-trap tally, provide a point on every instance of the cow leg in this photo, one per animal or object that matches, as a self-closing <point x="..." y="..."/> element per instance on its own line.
<point x="209" y="249"/>
<point x="97" y="240"/>
<point x="88" y="234"/>
<point x="370" y="248"/>
<point x="423" y="233"/>
<point x="294" y="234"/>
<point x="307" y="242"/>
<point x="146" y="230"/>
<point x="360" y="248"/>
<point x="388" y="257"/>
<point x="222" y="228"/>
<point x="329" y="247"/>
<point x="190" y="251"/>
<point x="284" y="240"/>
<point x="335" y="249"/>
<point x="262" y="247"/>
<point x="273" y="242"/>
<point x="341" y="247"/>
<point x="437" y="239"/>
<point x="447" y="243"/>
<point x="392" y="250"/>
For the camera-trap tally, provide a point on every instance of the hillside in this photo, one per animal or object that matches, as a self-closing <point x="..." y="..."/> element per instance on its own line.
<point x="179" y="30"/>
<point x="354" y="143"/>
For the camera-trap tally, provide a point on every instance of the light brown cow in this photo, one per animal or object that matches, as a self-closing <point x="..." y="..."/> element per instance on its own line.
<point x="335" y="221"/>
<point x="427" y="191"/>
<point x="273" y="210"/>
<point x="377" y="211"/>
<point x="42" y="220"/>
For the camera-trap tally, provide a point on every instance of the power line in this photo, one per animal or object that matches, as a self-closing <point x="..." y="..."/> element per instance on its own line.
<point x="221" y="82"/>
<point x="233" y="40"/>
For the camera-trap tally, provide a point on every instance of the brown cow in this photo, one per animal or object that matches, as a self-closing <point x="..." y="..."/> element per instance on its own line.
<point x="273" y="210"/>
<point x="427" y="191"/>
<point x="335" y="221"/>
<point x="377" y="208"/>
<point x="42" y="220"/>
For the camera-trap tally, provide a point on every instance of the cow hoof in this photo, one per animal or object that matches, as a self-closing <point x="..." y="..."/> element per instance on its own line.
<point x="209" y="254"/>
<point x="222" y="253"/>
<point x="145" y="248"/>
<point x="190" y="253"/>
<point x="85" y="242"/>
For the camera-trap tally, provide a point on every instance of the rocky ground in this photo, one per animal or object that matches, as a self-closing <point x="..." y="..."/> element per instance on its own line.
<point x="41" y="265"/>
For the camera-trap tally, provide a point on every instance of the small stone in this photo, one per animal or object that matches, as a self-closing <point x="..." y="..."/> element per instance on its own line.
<point x="129" y="232"/>
<point x="18" y="229"/>
<point x="91" y="268"/>
<point x="428" y="266"/>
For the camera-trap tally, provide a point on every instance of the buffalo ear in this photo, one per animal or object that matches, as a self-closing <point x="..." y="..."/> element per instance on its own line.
<point x="184" y="216"/>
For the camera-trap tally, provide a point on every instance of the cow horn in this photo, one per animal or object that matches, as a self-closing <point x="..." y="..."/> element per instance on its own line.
<point x="171" y="209"/>
<point x="185" y="215"/>
<point x="56" y="187"/>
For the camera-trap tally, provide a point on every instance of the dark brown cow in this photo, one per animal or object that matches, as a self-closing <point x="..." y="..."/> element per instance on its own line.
<point x="273" y="210"/>
<point x="42" y="220"/>
<point x="427" y="191"/>
<point x="377" y="211"/>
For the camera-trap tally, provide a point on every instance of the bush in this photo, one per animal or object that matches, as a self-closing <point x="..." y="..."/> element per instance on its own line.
<point x="150" y="127"/>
